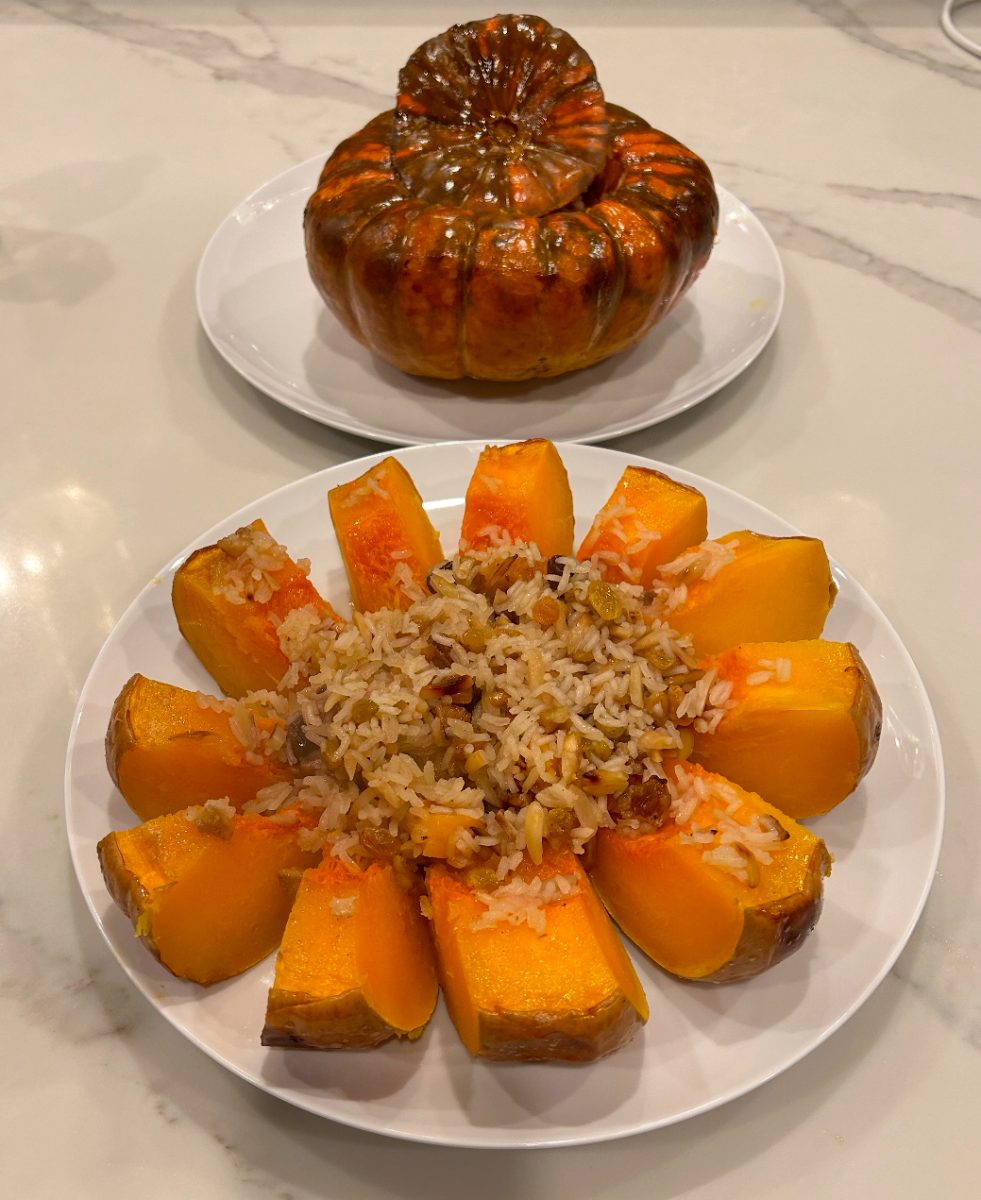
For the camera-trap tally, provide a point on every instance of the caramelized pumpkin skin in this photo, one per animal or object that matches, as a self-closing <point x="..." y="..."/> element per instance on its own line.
<point x="356" y="966"/>
<point x="532" y="139"/>
<point x="504" y="221"/>
<point x="699" y="921"/>
<point x="206" y="902"/>
<point x="805" y="743"/>
<point x="380" y="525"/>
<point x="645" y="502"/>
<point x="523" y="490"/>
<point x="571" y="994"/>
<point x="237" y="643"/>
<point x="776" y="589"/>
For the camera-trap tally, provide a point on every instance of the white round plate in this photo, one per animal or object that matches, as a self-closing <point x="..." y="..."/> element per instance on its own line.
<point x="263" y="315"/>
<point x="702" y="1046"/>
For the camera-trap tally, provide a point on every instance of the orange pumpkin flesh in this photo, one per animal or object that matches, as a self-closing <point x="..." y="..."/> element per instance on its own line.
<point x="697" y="920"/>
<point x="645" y="502"/>
<point x="776" y="589"/>
<point x="207" y="902"/>
<point x="504" y="221"/>
<point x="381" y="526"/>
<point x="237" y="642"/>
<point x="165" y="751"/>
<point x="803" y="743"/>
<point x="356" y="965"/>
<point x="523" y="491"/>
<point x="570" y="993"/>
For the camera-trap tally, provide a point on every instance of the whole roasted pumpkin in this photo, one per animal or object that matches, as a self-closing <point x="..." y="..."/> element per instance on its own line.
<point x="504" y="221"/>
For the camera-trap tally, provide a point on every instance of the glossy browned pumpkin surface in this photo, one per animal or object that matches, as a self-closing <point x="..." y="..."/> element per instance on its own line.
<point x="532" y="230"/>
<point x="530" y="134"/>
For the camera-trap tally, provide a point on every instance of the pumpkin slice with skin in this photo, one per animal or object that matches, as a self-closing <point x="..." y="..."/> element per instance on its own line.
<point x="704" y="907"/>
<point x="804" y="724"/>
<point x="356" y="966"/>
<point x="569" y="993"/>
<point x="202" y="888"/>
<point x="383" y="533"/>
<point x="521" y="491"/>
<point x="229" y="600"/>
<point x="165" y="750"/>
<point x="648" y="520"/>
<point x="749" y="587"/>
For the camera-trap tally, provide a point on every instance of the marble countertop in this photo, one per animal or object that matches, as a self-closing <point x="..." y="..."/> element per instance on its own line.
<point x="130" y="130"/>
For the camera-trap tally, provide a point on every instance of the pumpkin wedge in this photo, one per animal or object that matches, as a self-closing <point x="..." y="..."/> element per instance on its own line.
<point x="356" y="965"/>
<point x="384" y="535"/>
<point x="648" y="520"/>
<point x="521" y="491"/>
<point x="804" y="726"/>
<point x="229" y="600"/>
<point x="165" y="750"/>
<point x="725" y="889"/>
<point x="202" y="888"/>
<point x="569" y="992"/>
<point x="749" y="587"/>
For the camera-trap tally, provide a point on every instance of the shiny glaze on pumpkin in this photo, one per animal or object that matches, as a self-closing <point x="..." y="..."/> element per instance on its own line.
<point x="445" y="292"/>
<point x="500" y="115"/>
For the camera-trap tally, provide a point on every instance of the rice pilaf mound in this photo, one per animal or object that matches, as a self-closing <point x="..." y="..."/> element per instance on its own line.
<point x="512" y="701"/>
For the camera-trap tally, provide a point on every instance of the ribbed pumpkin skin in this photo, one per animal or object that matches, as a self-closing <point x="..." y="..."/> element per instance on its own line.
<point x="451" y="291"/>
<point x="500" y="115"/>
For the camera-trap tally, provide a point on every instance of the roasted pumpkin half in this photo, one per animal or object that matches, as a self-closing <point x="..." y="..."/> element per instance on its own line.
<point x="504" y="221"/>
<point x="448" y="787"/>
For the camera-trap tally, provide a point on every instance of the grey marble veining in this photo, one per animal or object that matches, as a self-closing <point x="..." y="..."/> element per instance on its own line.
<point x="851" y="21"/>
<point x="214" y="52"/>
<point x="807" y="238"/>
<point x="953" y="201"/>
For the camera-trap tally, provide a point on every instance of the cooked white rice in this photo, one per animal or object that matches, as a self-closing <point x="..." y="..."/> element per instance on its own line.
<point x="528" y="705"/>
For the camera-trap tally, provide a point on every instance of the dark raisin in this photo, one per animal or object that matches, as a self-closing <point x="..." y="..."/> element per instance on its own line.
<point x="299" y="748"/>
<point x="554" y="569"/>
<point x="641" y="800"/>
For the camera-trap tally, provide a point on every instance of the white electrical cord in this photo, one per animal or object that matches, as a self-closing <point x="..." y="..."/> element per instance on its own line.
<point x="951" y="30"/>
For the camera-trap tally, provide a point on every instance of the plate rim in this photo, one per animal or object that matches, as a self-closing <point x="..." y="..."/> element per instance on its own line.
<point x="515" y="1138"/>
<point x="281" y="393"/>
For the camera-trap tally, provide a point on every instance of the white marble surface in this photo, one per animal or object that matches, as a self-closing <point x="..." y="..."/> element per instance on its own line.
<point x="128" y="130"/>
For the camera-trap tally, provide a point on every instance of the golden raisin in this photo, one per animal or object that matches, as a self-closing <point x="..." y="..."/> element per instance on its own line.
<point x="547" y="610"/>
<point x="363" y="710"/>
<point x="604" y="599"/>
<point x="482" y="879"/>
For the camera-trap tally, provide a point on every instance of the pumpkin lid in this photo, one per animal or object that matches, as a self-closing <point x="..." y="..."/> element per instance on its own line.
<point x="504" y="114"/>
